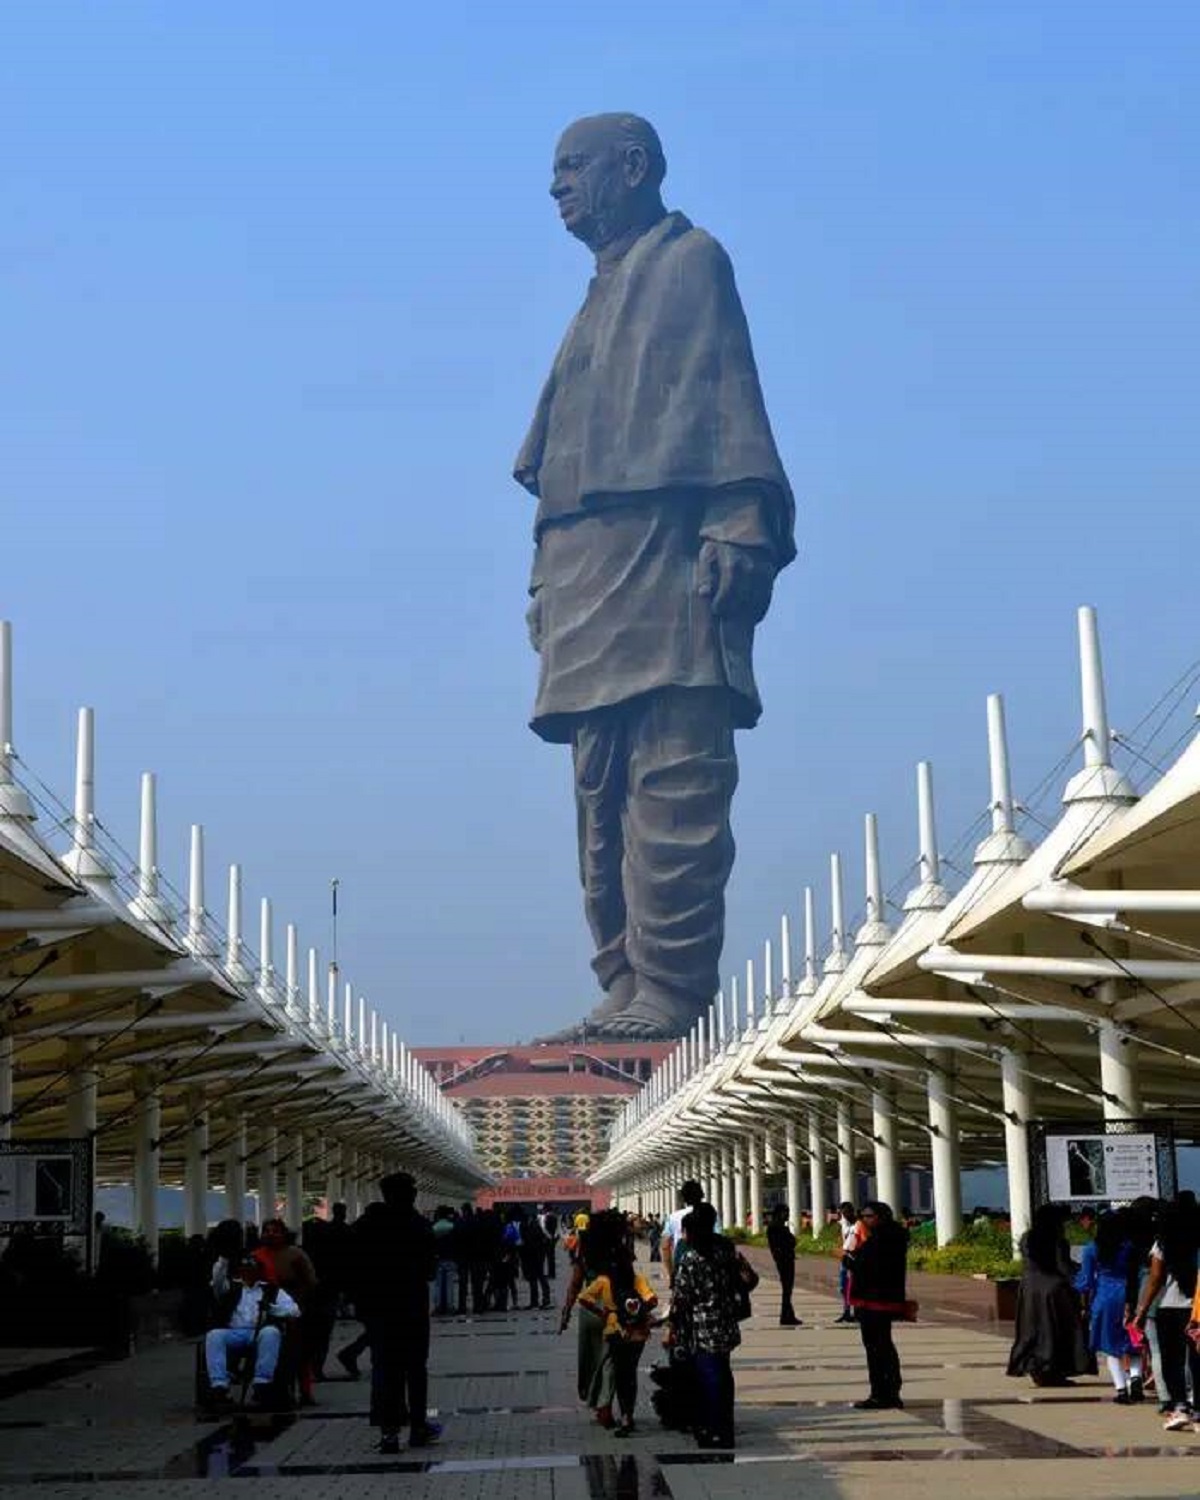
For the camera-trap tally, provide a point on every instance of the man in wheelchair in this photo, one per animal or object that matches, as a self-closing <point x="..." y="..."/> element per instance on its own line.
<point x="249" y="1316"/>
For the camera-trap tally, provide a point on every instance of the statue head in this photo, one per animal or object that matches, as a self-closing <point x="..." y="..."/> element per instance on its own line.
<point x="608" y="172"/>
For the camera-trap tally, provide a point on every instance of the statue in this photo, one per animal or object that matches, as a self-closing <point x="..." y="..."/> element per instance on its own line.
<point x="663" y="517"/>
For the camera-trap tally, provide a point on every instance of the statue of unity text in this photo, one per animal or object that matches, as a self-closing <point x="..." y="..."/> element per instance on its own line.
<point x="663" y="517"/>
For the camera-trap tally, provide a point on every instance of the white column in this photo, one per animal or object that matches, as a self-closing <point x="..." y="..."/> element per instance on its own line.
<point x="350" y="1183"/>
<point x="6" y="1085"/>
<point x="887" y="1162"/>
<point x="294" y="1183"/>
<point x="82" y="1084"/>
<point x="82" y="1089"/>
<point x="728" y="1193"/>
<point x="739" y="1184"/>
<point x="235" y="1169"/>
<point x="791" y="1150"/>
<point x="944" y="1146"/>
<point x="754" y="1147"/>
<point x="195" y="1165"/>
<point x="1018" y="1104"/>
<point x="267" y="1185"/>
<point x="847" y="1176"/>
<point x="147" y="1128"/>
<point x="816" y="1175"/>
<point x="334" y="1186"/>
<point x="1119" y="1075"/>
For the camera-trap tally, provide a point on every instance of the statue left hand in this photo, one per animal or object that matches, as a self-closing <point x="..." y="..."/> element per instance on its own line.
<point x="738" y="580"/>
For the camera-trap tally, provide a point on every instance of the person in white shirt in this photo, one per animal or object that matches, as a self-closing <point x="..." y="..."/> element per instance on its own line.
<point x="671" y="1243"/>
<point x="852" y="1233"/>
<point x="248" y="1312"/>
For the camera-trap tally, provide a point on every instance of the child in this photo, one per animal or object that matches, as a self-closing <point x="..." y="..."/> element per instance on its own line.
<point x="626" y="1301"/>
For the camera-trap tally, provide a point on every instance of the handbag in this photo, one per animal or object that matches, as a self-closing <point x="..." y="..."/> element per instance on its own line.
<point x="746" y="1280"/>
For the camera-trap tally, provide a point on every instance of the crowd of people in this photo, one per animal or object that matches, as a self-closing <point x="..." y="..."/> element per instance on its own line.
<point x="1132" y="1301"/>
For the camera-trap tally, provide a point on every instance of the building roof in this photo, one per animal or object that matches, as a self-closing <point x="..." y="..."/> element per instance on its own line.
<point x="535" y="1086"/>
<point x="546" y="1053"/>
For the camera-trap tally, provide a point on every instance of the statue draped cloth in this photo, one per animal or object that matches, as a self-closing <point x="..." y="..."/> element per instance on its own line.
<point x="650" y="438"/>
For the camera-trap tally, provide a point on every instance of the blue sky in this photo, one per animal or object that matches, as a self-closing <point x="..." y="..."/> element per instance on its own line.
<point x="280" y="285"/>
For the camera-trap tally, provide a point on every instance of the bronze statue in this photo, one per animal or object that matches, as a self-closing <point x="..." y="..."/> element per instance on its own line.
<point x="663" y="517"/>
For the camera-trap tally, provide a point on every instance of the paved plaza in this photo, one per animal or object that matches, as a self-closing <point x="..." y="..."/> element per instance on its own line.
<point x="503" y="1386"/>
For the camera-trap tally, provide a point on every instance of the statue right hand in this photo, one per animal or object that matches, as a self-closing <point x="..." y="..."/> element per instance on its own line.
<point x="533" y="621"/>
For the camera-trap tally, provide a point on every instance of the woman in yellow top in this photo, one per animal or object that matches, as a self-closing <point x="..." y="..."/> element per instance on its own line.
<point x="626" y="1302"/>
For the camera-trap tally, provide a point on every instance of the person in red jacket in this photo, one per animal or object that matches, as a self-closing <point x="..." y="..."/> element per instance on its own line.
<point x="877" y="1295"/>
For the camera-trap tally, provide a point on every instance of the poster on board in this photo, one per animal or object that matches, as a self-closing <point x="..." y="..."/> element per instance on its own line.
<point x="1082" y="1166"/>
<point x="46" y="1185"/>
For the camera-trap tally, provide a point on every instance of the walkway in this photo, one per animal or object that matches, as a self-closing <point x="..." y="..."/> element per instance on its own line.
<point x="503" y="1387"/>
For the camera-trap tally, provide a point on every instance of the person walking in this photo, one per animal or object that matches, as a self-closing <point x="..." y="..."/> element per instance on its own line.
<point x="705" y="1306"/>
<point x="1048" y="1344"/>
<point x="672" y="1241"/>
<point x="782" y="1244"/>
<point x="533" y="1252"/>
<point x="548" y="1219"/>
<point x="1107" y="1279"/>
<point x="654" y="1230"/>
<point x="852" y="1233"/>
<point x="1174" y="1284"/>
<point x="592" y="1254"/>
<point x="877" y="1295"/>
<point x="395" y="1260"/>
<point x="464" y="1255"/>
<point x="445" y="1235"/>
<point x="626" y="1302"/>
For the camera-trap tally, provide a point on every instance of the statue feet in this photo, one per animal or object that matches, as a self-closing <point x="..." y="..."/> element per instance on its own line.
<point x="616" y="1001"/>
<point x="655" y="1014"/>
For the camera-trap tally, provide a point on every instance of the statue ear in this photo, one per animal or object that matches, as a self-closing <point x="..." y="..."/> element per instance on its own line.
<point x="637" y="164"/>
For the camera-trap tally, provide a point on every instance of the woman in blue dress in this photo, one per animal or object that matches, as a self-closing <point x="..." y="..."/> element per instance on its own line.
<point x="1108" y="1279"/>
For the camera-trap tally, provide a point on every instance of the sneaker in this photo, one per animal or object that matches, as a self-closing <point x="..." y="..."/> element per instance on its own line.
<point x="389" y="1443"/>
<point x="1137" y="1390"/>
<point x="348" y="1363"/>
<point x="875" y="1403"/>
<point x="1178" y="1421"/>
<point x="422" y="1437"/>
<point x="1122" y="1398"/>
<point x="624" y="1428"/>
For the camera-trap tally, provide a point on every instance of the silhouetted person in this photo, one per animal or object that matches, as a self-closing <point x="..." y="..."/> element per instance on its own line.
<point x="782" y="1244"/>
<point x="395" y="1259"/>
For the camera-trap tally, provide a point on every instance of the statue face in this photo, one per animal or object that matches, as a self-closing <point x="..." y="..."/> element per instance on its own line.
<point x="596" y="181"/>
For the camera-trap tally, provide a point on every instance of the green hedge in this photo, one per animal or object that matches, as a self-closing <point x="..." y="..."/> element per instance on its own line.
<point x="982" y="1249"/>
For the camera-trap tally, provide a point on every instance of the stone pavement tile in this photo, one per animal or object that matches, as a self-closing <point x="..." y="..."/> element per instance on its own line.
<point x="30" y="1359"/>
<point x="763" y="1480"/>
<point x="1095" y="1424"/>
<point x="517" y="1485"/>
<point x="1067" y="1479"/>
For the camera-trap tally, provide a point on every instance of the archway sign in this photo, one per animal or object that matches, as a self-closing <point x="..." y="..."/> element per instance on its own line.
<point x="1093" y="1162"/>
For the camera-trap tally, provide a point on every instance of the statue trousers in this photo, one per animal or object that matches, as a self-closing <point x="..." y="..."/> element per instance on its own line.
<point x="654" y="780"/>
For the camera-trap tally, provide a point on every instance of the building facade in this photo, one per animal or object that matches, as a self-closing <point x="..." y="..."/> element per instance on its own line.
<point x="542" y="1111"/>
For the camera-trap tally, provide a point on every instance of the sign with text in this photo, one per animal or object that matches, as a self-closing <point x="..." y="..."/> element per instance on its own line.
<point x="46" y="1185"/>
<point x="1102" y="1161"/>
<point x="547" y="1190"/>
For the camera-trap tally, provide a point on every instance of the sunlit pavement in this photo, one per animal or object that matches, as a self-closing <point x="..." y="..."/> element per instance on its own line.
<point x="503" y="1385"/>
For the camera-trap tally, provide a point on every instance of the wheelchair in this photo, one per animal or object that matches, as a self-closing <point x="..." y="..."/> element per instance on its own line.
<point x="282" y="1394"/>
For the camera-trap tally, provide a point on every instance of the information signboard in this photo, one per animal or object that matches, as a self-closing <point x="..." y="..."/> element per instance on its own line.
<point x="1101" y="1161"/>
<point x="46" y="1185"/>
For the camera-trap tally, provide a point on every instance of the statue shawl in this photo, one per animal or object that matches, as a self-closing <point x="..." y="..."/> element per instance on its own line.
<point x="665" y="393"/>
